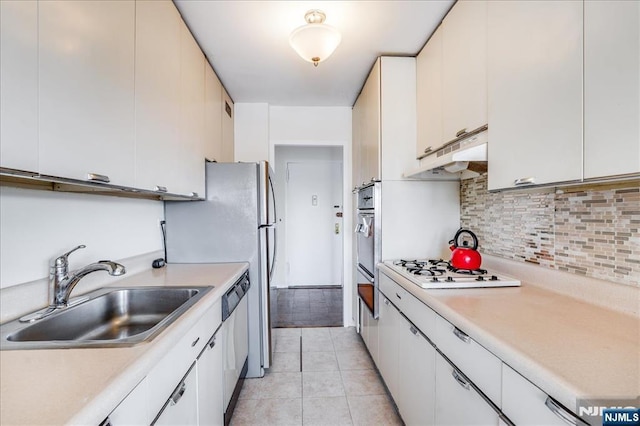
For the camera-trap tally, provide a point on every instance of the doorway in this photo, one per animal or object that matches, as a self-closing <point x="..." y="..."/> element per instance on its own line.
<point x="309" y="275"/>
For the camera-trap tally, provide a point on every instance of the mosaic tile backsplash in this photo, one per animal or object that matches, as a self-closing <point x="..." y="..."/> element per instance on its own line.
<point x="591" y="232"/>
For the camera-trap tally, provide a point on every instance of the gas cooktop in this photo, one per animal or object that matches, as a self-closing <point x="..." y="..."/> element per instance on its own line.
<point x="438" y="273"/>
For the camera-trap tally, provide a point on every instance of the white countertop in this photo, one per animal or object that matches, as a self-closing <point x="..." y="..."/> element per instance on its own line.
<point x="82" y="386"/>
<point x="569" y="348"/>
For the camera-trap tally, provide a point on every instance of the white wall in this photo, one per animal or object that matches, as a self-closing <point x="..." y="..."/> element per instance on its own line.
<point x="38" y="225"/>
<point x="251" y="132"/>
<point x="320" y="126"/>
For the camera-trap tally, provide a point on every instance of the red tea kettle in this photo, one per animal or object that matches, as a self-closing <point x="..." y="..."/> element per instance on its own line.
<point x="463" y="256"/>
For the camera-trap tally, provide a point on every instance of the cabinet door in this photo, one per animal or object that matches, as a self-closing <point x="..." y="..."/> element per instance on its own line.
<point x="369" y="332"/>
<point x="429" y="96"/>
<point x="611" y="88"/>
<point x="416" y="396"/>
<point x="190" y="165"/>
<point x="227" y="128"/>
<point x="157" y="93"/>
<point x="86" y="77"/>
<point x="182" y="406"/>
<point x="212" y="114"/>
<point x="210" y="409"/>
<point x="457" y="402"/>
<point x="464" y="72"/>
<point x="525" y="404"/>
<point x="370" y="147"/>
<point x="134" y="409"/>
<point x="19" y="85"/>
<point x="356" y="130"/>
<point x="535" y="92"/>
<point x="388" y="326"/>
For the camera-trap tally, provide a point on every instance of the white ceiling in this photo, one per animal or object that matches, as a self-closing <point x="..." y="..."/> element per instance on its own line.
<point x="247" y="42"/>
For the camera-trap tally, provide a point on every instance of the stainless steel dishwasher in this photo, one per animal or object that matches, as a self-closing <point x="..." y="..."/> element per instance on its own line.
<point x="235" y="339"/>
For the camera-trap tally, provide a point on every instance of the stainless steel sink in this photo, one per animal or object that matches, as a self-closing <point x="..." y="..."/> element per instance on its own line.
<point x="110" y="317"/>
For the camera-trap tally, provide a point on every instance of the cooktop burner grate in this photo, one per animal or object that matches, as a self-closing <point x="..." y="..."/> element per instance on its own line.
<point x="438" y="273"/>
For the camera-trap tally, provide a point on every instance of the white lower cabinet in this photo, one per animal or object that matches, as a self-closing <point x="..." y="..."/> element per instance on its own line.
<point x="416" y="376"/>
<point x="369" y="331"/>
<point x="526" y="404"/>
<point x="133" y="410"/>
<point x="457" y="401"/>
<point x="182" y="406"/>
<point x="184" y="387"/>
<point x="388" y="326"/>
<point x="209" y="365"/>
<point x="480" y="365"/>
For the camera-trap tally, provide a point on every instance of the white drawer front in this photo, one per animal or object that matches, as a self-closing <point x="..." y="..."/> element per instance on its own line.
<point x="524" y="403"/>
<point x="420" y="314"/>
<point x="393" y="291"/>
<point x="417" y="312"/>
<point x="458" y="403"/>
<point x="477" y="363"/>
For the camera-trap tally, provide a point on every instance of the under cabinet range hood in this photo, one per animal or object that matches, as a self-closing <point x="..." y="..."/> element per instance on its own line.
<point x="458" y="155"/>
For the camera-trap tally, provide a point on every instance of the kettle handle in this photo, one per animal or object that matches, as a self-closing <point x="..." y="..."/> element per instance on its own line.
<point x="465" y="231"/>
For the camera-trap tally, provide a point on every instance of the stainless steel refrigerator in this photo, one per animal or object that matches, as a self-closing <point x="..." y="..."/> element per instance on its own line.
<point x="236" y="223"/>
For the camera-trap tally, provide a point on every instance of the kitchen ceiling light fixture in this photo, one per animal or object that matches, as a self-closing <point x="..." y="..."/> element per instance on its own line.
<point x="315" y="41"/>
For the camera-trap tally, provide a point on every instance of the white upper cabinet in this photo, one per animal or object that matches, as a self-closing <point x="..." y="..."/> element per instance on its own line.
<point x="192" y="130"/>
<point x="611" y="88"/>
<point x="212" y="115"/>
<point x="429" y="95"/>
<point x="19" y="85"/>
<point x="227" y="128"/>
<point x="535" y="92"/>
<point x="370" y="143"/>
<point x="385" y="116"/>
<point x="157" y="93"/>
<point x="86" y="98"/>
<point x="464" y="68"/>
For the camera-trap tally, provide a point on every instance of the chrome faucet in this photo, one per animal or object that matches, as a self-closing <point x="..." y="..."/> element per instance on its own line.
<point x="61" y="282"/>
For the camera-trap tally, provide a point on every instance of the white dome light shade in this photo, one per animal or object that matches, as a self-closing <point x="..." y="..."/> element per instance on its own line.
<point x="315" y="42"/>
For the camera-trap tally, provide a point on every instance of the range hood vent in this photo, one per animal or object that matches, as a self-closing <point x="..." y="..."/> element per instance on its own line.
<point x="455" y="156"/>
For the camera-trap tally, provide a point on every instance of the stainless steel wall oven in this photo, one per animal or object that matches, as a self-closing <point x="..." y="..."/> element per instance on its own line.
<point x="368" y="244"/>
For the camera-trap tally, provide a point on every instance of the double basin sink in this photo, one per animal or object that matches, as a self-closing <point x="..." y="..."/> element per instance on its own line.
<point x="111" y="317"/>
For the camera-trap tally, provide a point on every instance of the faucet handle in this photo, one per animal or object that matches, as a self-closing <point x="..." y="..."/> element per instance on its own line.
<point x="63" y="260"/>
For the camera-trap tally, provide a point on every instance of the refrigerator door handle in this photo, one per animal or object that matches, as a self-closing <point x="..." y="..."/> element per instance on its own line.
<point x="267" y="225"/>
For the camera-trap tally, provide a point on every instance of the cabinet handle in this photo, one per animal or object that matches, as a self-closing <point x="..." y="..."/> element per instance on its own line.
<point x="525" y="181"/>
<point x="212" y="342"/>
<point x="398" y="296"/>
<point x="178" y="394"/>
<point x="95" y="177"/>
<point x="413" y="330"/>
<point x="462" y="382"/>
<point x="428" y="149"/>
<point x="195" y="342"/>
<point x="161" y="188"/>
<point x="106" y="422"/>
<point x="563" y="414"/>
<point x="461" y="132"/>
<point x="460" y="335"/>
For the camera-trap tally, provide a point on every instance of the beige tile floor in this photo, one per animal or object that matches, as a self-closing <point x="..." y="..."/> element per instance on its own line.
<point x="338" y="384"/>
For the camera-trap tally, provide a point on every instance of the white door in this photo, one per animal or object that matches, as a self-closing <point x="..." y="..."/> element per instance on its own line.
<point x="313" y="199"/>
